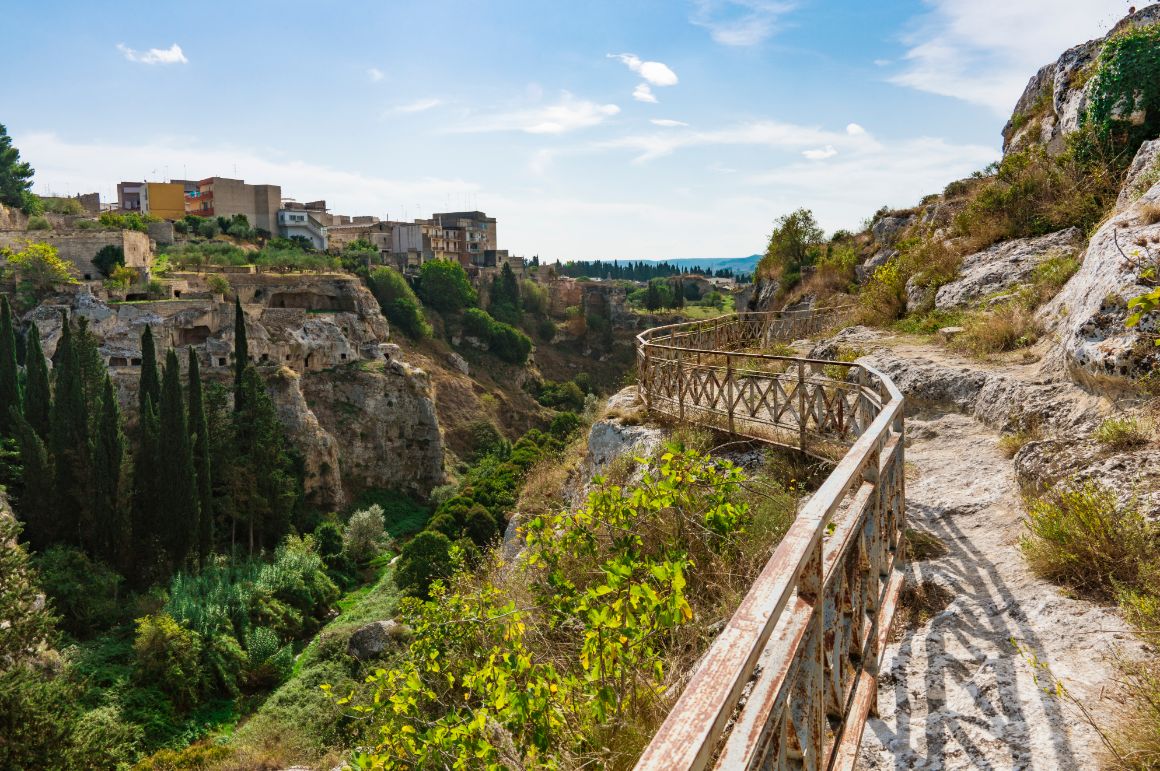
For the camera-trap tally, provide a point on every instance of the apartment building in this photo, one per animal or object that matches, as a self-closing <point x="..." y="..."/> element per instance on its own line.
<point x="304" y="221"/>
<point x="161" y="199"/>
<point x="468" y="235"/>
<point x="225" y="197"/>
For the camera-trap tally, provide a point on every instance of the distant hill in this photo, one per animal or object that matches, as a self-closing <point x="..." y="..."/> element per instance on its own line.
<point x="738" y="264"/>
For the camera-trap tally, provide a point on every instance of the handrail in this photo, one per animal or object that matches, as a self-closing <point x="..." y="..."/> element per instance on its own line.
<point x="792" y="677"/>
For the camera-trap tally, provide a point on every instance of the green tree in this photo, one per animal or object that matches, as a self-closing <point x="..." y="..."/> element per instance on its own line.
<point x="263" y="489"/>
<point x="792" y="245"/>
<point x="202" y="457"/>
<point x="108" y="259"/>
<point x="444" y="286"/>
<point x="10" y="402"/>
<point x="505" y="297"/>
<point x="69" y="444"/>
<point x="109" y="516"/>
<point x="241" y="345"/>
<point x="425" y="558"/>
<point x="35" y="504"/>
<point x="39" y="266"/>
<point x="150" y="385"/>
<point x="28" y="622"/>
<point x="145" y="501"/>
<point x="398" y="302"/>
<point x="178" y="499"/>
<point x="37" y="395"/>
<point x="15" y="175"/>
<point x="653" y="299"/>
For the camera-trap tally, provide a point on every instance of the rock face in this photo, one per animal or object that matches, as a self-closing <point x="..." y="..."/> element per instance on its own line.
<point x="1088" y="315"/>
<point x="383" y="420"/>
<point x="319" y="449"/>
<point x="1056" y="96"/>
<point x="1134" y="475"/>
<point x="377" y="637"/>
<point x="1142" y="174"/>
<point x="1005" y="265"/>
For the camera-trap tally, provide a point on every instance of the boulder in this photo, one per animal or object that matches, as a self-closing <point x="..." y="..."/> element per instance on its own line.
<point x="887" y="230"/>
<point x="918" y="295"/>
<point x="1134" y="475"/>
<point x="458" y="363"/>
<point x="1004" y="265"/>
<point x="1142" y="175"/>
<point x="864" y="271"/>
<point x="1096" y="348"/>
<point x="376" y="638"/>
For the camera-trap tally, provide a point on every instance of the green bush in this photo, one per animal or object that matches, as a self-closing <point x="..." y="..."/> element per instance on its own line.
<point x="39" y="223"/>
<point x="207" y="229"/>
<point x="108" y="259"/>
<point x="36" y="717"/>
<point x="82" y="590"/>
<point x="101" y="735"/>
<point x="480" y="526"/>
<point x="365" y="536"/>
<point x="219" y="284"/>
<point x="398" y="302"/>
<point x="445" y="523"/>
<point x="503" y="340"/>
<point x="546" y="329"/>
<point x="169" y="656"/>
<point x="444" y="286"/>
<point x="423" y="560"/>
<point x="268" y="661"/>
<point x="1121" y="433"/>
<point x="565" y="424"/>
<point x="562" y="396"/>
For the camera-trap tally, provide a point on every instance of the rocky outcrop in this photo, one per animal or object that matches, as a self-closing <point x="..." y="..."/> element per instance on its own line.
<point x="376" y="638"/>
<point x="1005" y="265"/>
<point x="382" y="417"/>
<point x="1056" y="97"/>
<point x="319" y="450"/>
<point x="1143" y="173"/>
<point x="1096" y="347"/>
<point x="1134" y="476"/>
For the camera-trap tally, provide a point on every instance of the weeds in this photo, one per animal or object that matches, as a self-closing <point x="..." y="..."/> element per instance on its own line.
<point x="1010" y="444"/>
<point x="1121" y="433"/>
<point x="922" y="546"/>
<point x="1004" y="328"/>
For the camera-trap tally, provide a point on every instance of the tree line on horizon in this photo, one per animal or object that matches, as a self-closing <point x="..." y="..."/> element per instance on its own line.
<point x="636" y="271"/>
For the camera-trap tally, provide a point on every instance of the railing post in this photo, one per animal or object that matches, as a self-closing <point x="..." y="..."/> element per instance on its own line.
<point x="729" y="388"/>
<point x="681" y="383"/>
<point x="642" y="385"/>
<point x="812" y="676"/>
<point x="801" y="384"/>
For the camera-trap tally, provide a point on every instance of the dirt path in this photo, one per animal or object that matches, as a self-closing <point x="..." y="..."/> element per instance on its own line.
<point x="955" y="692"/>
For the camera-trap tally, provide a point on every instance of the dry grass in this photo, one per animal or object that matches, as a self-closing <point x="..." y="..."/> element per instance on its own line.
<point x="922" y="546"/>
<point x="1010" y="444"/>
<point x="918" y="603"/>
<point x="1004" y="328"/>
<point x="1150" y="213"/>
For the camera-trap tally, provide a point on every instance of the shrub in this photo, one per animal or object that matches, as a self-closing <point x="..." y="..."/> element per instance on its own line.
<point x="444" y="286"/>
<point x="398" y="302"/>
<point x="86" y="225"/>
<point x="82" y="590"/>
<point x="39" y="223"/>
<point x="444" y="523"/>
<point x="207" y="229"/>
<point x="565" y="424"/>
<point x="561" y="396"/>
<point x="101" y="735"/>
<point x="546" y="329"/>
<point x="268" y="661"/>
<point x="485" y="439"/>
<point x="365" y="536"/>
<point x="108" y="259"/>
<point x="1080" y="537"/>
<point x="503" y="340"/>
<point x="169" y="656"/>
<point x="218" y="284"/>
<point x="883" y="299"/>
<point x="424" y="559"/>
<point x="480" y="526"/>
<point x="1121" y="433"/>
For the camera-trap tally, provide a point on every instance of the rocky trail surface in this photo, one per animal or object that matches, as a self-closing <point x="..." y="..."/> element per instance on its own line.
<point x="958" y="690"/>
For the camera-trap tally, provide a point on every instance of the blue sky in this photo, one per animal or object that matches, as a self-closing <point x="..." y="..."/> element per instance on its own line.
<point x="635" y="128"/>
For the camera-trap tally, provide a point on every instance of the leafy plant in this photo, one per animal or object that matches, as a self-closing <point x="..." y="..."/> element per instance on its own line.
<point x="1121" y="433"/>
<point x="365" y="537"/>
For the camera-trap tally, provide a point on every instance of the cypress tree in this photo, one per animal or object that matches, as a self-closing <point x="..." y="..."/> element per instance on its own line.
<point x="178" y="495"/>
<point x="150" y="387"/>
<point x="35" y="503"/>
<point x="241" y="346"/>
<point x="199" y="428"/>
<point x="264" y="482"/>
<point x="37" y="396"/>
<point x="112" y="527"/>
<point x="145" y="503"/>
<point x="69" y="444"/>
<point x="91" y="366"/>
<point x="9" y="377"/>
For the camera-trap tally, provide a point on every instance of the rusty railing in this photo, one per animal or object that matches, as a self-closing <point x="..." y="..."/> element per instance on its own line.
<point x="792" y="677"/>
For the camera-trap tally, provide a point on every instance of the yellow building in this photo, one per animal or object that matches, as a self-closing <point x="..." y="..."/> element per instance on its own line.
<point x="164" y="199"/>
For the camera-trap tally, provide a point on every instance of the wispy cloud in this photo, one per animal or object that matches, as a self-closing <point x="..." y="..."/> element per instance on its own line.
<point x="984" y="51"/>
<point x="854" y="130"/>
<point x="771" y="134"/>
<point x="667" y="122"/>
<point x="375" y="74"/>
<point x="656" y="73"/>
<point x="820" y="153"/>
<point x="739" y="22"/>
<point x="419" y="105"/>
<point x="171" y="55"/>
<point x="642" y="93"/>
<point x="567" y="114"/>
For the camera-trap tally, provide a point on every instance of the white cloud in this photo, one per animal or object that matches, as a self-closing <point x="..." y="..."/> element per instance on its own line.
<point x="771" y="134"/>
<point x="375" y="74"/>
<point x="642" y="93"/>
<point x="567" y="114"/>
<point x="881" y="62"/>
<point x="739" y="22"/>
<point x="171" y="55"/>
<point x="419" y="105"/>
<point x="854" y="130"/>
<point x="64" y="165"/>
<point x="656" y="73"/>
<point x="667" y="122"/>
<point x="984" y="51"/>
<point x="820" y="153"/>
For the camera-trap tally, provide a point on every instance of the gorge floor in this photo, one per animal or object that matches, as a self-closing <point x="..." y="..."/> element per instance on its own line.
<point x="959" y="690"/>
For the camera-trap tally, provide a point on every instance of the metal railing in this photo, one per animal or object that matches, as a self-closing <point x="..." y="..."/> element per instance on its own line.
<point x="792" y="677"/>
